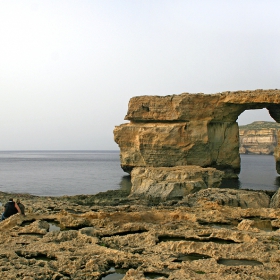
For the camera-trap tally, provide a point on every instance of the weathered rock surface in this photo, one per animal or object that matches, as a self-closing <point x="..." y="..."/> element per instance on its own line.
<point x="189" y="129"/>
<point x="275" y="200"/>
<point x="258" y="138"/>
<point x="172" y="182"/>
<point x="229" y="197"/>
<point x="78" y="238"/>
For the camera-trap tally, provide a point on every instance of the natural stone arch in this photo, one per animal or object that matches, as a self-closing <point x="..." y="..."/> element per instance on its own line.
<point x="190" y="129"/>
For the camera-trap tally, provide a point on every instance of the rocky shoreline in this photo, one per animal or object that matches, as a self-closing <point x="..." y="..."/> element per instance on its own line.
<point x="211" y="234"/>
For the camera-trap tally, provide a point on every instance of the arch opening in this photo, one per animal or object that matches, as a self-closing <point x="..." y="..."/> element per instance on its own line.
<point x="257" y="144"/>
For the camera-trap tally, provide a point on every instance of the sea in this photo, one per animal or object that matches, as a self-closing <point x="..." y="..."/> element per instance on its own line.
<point x="58" y="173"/>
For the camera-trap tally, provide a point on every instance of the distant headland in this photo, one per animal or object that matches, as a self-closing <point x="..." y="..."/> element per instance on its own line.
<point x="259" y="137"/>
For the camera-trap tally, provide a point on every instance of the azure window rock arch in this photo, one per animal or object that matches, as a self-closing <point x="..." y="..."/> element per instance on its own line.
<point x="190" y="129"/>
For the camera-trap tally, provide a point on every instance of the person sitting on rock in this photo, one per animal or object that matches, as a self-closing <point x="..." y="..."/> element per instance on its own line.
<point x="21" y="207"/>
<point x="10" y="208"/>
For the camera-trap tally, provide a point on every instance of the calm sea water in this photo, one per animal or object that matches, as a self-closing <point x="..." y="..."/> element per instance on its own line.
<point x="56" y="173"/>
<point x="258" y="172"/>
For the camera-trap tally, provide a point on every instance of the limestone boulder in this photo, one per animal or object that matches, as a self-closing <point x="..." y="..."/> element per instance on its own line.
<point x="229" y="197"/>
<point x="172" y="182"/>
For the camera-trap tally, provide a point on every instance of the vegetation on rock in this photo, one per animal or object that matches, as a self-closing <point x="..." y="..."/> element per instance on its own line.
<point x="258" y="125"/>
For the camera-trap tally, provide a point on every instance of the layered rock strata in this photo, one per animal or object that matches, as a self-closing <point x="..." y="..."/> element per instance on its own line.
<point x="166" y="183"/>
<point x="201" y="237"/>
<point x="258" y="138"/>
<point x="189" y="129"/>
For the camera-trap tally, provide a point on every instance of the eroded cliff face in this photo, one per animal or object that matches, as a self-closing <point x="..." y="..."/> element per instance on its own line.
<point x="258" y="138"/>
<point x="189" y="129"/>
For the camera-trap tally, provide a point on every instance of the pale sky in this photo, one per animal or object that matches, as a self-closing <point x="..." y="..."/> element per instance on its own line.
<point x="68" y="68"/>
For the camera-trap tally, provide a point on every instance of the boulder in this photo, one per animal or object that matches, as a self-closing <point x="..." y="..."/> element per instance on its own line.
<point x="172" y="182"/>
<point x="229" y="197"/>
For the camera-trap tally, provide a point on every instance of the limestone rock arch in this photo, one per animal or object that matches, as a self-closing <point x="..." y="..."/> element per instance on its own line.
<point x="190" y="129"/>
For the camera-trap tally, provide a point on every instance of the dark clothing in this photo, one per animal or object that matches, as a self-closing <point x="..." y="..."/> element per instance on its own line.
<point x="10" y="209"/>
<point x="21" y="207"/>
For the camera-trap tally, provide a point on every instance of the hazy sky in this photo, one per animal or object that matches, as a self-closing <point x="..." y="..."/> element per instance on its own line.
<point x="68" y="68"/>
